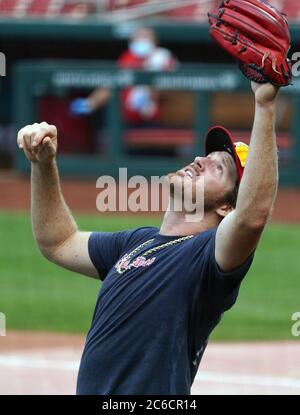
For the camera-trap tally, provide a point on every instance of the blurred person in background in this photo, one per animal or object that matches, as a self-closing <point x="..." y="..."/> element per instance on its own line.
<point x="140" y="104"/>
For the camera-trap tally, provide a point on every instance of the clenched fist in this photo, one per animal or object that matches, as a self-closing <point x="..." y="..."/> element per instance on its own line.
<point x="39" y="142"/>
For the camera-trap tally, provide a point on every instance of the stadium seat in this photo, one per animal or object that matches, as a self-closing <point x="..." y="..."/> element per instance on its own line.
<point x="38" y="7"/>
<point x="197" y="11"/>
<point x="46" y="7"/>
<point x="11" y="7"/>
<point x="194" y="11"/>
<point x="78" y="9"/>
<point x="122" y="4"/>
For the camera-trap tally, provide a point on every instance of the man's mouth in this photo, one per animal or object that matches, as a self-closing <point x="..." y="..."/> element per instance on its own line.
<point x="188" y="172"/>
<point x="191" y="172"/>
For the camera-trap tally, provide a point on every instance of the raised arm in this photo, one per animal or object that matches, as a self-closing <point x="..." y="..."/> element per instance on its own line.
<point x="239" y="232"/>
<point x="54" y="228"/>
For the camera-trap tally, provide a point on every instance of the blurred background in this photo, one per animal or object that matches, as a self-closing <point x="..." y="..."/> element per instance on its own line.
<point x="136" y="84"/>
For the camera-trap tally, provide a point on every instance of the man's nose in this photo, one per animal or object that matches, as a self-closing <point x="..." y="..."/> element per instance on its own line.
<point x="200" y="163"/>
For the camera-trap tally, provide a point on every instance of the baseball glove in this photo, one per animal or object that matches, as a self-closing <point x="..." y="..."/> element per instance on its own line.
<point x="257" y="35"/>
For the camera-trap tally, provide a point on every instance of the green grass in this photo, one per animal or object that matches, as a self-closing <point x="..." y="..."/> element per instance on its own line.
<point x="37" y="295"/>
<point x="270" y="293"/>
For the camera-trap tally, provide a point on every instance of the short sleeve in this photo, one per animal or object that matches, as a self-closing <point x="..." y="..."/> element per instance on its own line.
<point x="221" y="288"/>
<point x="234" y="276"/>
<point x="105" y="249"/>
<point x="224" y="286"/>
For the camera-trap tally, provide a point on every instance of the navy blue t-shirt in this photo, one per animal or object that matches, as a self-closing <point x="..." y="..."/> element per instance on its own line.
<point x="154" y="314"/>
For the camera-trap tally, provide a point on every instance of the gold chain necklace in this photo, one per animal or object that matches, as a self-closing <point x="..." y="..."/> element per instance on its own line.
<point x="124" y="262"/>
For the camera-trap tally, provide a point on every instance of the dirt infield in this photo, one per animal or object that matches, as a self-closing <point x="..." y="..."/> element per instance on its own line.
<point x="81" y="197"/>
<point x="32" y="363"/>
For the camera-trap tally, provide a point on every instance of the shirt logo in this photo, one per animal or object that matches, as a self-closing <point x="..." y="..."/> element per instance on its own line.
<point x="125" y="264"/>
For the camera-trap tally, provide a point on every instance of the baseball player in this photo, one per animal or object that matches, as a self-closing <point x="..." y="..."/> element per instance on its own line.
<point x="164" y="289"/>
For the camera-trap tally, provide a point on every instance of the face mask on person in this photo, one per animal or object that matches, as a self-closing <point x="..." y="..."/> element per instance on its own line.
<point x="141" y="47"/>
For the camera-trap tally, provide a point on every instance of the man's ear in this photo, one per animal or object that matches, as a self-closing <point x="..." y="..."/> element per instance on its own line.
<point x="224" y="210"/>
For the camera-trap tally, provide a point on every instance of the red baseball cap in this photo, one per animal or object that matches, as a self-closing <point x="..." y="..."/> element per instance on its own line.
<point x="219" y="138"/>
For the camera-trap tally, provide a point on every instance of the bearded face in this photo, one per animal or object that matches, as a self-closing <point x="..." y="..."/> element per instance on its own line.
<point x="210" y="178"/>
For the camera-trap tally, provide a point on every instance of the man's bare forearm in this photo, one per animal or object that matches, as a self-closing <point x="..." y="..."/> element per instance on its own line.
<point x="52" y="222"/>
<point x="99" y="98"/>
<point x="53" y="226"/>
<point x="259" y="184"/>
